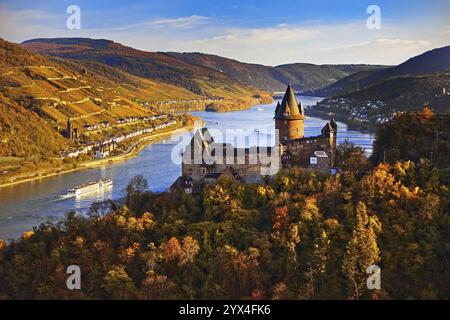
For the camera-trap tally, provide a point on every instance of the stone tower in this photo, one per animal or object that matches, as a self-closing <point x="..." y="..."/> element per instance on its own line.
<point x="69" y="129"/>
<point x="329" y="132"/>
<point x="289" y="117"/>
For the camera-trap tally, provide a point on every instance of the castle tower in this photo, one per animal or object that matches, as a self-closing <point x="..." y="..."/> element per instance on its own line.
<point x="329" y="131"/>
<point x="69" y="130"/>
<point x="289" y="117"/>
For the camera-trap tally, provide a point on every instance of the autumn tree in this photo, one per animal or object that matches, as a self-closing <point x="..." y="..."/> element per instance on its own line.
<point x="118" y="284"/>
<point x="362" y="251"/>
<point x="351" y="158"/>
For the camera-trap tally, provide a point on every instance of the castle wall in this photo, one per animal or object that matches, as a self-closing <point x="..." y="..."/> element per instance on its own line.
<point x="249" y="169"/>
<point x="301" y="149"/>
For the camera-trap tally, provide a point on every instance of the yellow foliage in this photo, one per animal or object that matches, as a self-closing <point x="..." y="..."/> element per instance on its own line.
<point x="27" y="234"/>
<point x="148" y="221"/>
<point x="99" y="245"/>
<point x="79" y="242"/>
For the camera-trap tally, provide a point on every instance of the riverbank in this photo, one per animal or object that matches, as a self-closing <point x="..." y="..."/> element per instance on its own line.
<point x="224" y="105"/>
<point x="131" y="152"/>
<point x="351" y="123"/>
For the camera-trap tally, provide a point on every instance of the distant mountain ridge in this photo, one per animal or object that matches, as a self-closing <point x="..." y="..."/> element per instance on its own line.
<point x="436" y="60"/>
<point x="151" y="65"/>
<point x="302" y="76"/>
<point x="187" y="69"/>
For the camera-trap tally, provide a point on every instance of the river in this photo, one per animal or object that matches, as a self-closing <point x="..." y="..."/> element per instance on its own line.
<point x="31" y="203"/>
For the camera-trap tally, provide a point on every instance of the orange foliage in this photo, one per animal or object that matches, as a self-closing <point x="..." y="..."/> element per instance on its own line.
<point x="280" y="221"/>
<point x="171" y="250"/>
<point x="27" y="234"/>
<point x="427" y="113"/>
<point x="258" y="294"/>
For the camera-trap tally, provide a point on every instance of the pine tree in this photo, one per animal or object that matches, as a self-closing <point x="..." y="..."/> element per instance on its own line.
<point x="362" y="251"/>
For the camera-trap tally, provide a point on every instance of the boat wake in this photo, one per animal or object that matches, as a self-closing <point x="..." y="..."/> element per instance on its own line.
<point x="63" y="197"/>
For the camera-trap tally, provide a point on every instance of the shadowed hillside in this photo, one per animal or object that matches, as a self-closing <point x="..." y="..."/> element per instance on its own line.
<point x="365" y="108"/>
<point x="302" y="76"/>
<point x="436" y="60"/>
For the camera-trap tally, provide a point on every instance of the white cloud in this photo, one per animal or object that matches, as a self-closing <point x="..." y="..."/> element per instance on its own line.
<point x="181" y="22"/>
<point x="314" y="42"/>
<point x="14" y="24"/>
<point x="380" y="50"/>
<point x="343" y="43"/>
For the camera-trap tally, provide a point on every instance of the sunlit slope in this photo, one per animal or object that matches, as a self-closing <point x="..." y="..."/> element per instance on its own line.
<point x="161" y="67"/>
<point x="86" y="92"/>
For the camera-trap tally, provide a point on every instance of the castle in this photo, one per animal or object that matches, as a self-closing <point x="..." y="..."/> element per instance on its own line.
<point x="200" y="163"/>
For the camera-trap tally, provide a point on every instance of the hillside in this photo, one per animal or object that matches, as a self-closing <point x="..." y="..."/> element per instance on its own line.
<point x="436" y="60"/>
<point x="302" y="76"/>
<point x="341" y="86"/>
<point x="88" y="94"/>
<point x="377" y="103"/>
<point x="161" y="67"/>
<point x="38" y="94"/>
<point x="23" y="133"/>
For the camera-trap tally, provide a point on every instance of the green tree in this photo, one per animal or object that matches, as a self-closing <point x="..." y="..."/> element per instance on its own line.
<point x="137" y="186"/>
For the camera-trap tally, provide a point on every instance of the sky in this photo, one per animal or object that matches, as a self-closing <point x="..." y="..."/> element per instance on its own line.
<point x="270" y="32"/>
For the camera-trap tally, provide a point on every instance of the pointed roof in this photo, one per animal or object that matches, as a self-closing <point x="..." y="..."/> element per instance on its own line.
<point x="289" y="109"/>
<point x="201" y="141"/>
<point x="327" y="127"/>
<point x="328" y="130"/>
<point x="277" y="108"/>
<point x="333" y="123"/>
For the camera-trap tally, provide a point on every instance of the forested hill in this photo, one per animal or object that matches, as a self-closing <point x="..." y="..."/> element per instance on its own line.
<point x="373" y="105"/>
<point x="432" y="61"/>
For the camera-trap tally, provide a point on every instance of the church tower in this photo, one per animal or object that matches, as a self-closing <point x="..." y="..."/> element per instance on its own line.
<point x="289" y="117"/>
<point x="69" y="129"/>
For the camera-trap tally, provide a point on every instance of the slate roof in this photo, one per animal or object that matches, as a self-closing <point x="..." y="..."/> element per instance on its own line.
<point x="289" y="109"/>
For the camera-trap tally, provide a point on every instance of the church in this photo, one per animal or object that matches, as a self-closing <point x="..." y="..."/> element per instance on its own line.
<point x="251" y="165"/>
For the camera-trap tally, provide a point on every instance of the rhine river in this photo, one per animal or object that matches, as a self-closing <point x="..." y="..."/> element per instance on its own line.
<point x="28" y="204"/>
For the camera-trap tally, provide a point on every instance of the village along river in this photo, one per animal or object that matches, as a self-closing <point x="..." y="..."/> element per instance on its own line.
<point x="31" y="203"/>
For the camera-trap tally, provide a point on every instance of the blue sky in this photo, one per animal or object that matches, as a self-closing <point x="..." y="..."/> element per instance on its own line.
<point x="257" y="31"/>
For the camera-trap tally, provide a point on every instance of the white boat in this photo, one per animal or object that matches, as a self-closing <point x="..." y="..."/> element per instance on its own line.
<point x="90" y="187"/>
